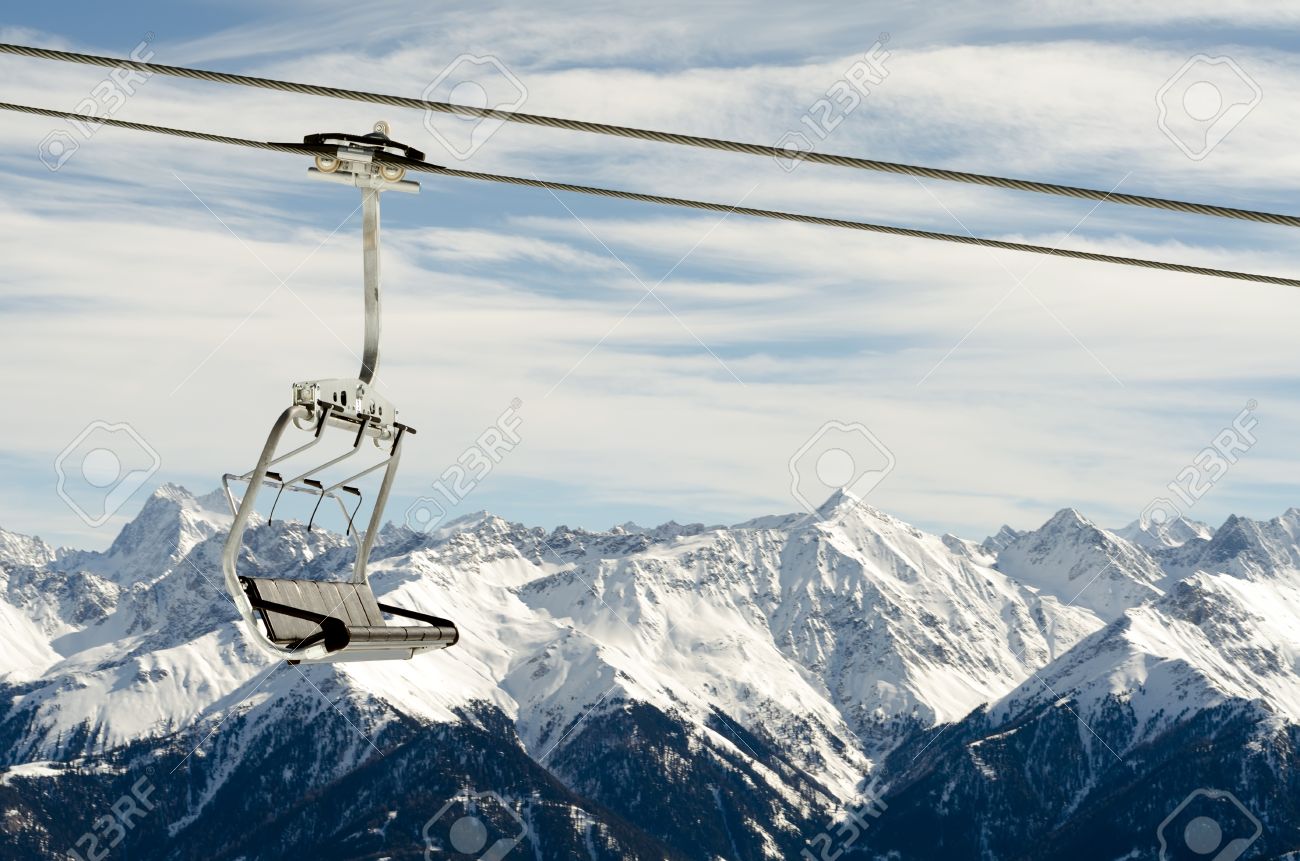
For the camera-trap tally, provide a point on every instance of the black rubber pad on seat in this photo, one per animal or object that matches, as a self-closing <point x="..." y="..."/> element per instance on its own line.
<point x="353" y="604"/>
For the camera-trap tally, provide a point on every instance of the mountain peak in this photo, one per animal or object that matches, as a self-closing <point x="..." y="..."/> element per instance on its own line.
<point x="16" y="549"/>
<point x="1174" y="532"/>
<point x="1076" y="561"/>
<point x="1000" y="539"/>
<point x="1237" y="536"/>
<point x="172" y="493"/>
<point x="482" y="523"/>
<point x="1068" y="518"/>
<point x="470" y="519"/>
<point x="839" y="497"/>
<point x="170" y="523"/>
<point x="1248" y="547"/>
<point x="842" y="502"/>
<point x="664" y="531"/>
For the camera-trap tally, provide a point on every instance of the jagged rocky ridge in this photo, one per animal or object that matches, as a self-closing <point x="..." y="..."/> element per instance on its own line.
<point x="678" y="692"/>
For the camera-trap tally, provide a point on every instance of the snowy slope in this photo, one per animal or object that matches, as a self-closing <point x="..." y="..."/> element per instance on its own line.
<point x="1251" y="548"/>
<point x="1197" y="687"/>
<point x="786" y="656"/>
<point x="993" y="544"/>
<point x="1213" y="638"/>
<point x="17" y="551"/>
<point x="897" y="624"/>
<point x="1082" y="565"/>
<point x="846" y="632"/>
<point x="1169" y="533"/>
<point x="1228" y="628"/>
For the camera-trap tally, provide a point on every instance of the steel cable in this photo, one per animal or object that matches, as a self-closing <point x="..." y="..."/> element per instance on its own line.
<point x="302" y="149"/>
<point x="663" y="137"/>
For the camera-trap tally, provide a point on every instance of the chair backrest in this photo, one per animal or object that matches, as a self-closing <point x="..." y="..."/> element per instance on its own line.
<point x="352" y="603"/>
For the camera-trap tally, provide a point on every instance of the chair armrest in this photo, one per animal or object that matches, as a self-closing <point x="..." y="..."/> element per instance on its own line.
<point x="421" y="617"/>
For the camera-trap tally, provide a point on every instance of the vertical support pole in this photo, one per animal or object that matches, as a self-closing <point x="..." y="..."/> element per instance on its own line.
<point x="370" y="255"/>
<point x="377" y="514"/>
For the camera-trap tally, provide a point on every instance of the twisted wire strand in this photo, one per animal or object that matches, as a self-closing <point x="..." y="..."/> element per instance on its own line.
<point x="709" y="206"/>
<point x="664" y="137"/>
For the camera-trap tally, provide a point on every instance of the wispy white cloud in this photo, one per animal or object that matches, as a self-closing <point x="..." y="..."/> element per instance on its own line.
<point x="496" y="293"/>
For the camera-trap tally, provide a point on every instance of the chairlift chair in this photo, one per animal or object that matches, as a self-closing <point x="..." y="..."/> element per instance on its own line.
<point x="317" y="621"/>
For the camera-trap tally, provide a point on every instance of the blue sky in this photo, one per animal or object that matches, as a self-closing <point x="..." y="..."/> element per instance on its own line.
<point x="142" y="279"/>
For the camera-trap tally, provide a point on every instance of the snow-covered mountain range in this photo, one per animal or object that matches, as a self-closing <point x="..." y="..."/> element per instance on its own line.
<point x="675" y="692"/>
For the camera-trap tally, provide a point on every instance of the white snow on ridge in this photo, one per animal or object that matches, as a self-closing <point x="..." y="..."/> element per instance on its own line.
<point x="1171" y="533"/>
<point x="946" y="633"/>
<point x="40" y="768"/>
<point x="1214" y="637"/>
<point x="16" y="550"/>
<point x="27" y="652"/>
<point x="832" y="635"/>
<point x="1081" y="564"/>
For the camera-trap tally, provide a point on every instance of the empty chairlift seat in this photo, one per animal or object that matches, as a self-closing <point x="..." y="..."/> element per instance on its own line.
<point x="343" y="617"/>
<point x="309" y="621"/>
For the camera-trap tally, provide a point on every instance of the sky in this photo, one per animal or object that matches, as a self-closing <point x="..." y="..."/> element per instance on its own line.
<point x="158" y="296"/>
